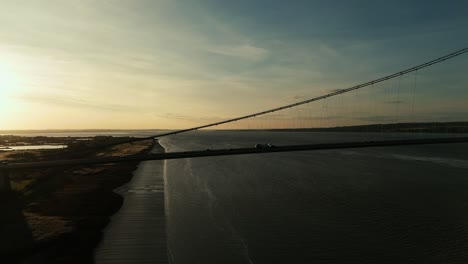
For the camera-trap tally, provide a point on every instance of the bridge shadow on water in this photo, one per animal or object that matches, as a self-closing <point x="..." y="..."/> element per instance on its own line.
<point x="15" y="234"/>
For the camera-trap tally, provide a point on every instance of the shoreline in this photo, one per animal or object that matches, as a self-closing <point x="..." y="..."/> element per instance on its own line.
<point x="58" y="215"/>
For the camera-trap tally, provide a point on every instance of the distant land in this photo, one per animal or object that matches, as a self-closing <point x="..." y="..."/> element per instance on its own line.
<point x="423" y="127"/>
<point x="6" y="131"/>
<point x="427" y="127"/>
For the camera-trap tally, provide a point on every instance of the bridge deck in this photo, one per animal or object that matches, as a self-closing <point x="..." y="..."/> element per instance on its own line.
<point x="236" y="151"/>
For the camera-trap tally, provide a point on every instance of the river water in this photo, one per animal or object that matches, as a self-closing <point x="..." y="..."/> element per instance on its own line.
<point x="376" y="205"/>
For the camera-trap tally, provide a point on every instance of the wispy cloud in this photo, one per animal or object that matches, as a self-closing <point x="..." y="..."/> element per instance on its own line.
<point x="145" y="56"/>
<point x="191" y="117"/>
<point x="174" y="116"/>
<point x="77" y="103"/>
<point x="244" y="51"/>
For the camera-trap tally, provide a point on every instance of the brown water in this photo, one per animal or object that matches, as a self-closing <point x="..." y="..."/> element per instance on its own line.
<point x="376" y="205"/>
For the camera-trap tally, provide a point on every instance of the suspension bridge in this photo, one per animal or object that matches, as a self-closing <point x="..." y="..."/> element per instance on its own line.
<point x="387" y="106"/>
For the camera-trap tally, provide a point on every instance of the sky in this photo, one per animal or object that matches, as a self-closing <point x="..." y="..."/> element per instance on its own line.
<point x="116" y="64"/>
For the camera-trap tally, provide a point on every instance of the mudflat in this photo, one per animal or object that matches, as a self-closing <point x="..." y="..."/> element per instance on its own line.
<point x="56" y="215"/>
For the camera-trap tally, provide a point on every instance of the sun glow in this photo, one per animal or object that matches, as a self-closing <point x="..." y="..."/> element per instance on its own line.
<point x="9" y="84"/>
<point x="7" y="79"/>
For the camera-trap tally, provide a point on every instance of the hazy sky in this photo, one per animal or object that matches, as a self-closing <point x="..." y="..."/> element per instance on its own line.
<point x="67" y="64"/>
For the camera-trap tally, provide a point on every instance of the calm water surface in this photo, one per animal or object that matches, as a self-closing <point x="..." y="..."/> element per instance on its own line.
<point x="379" y="205"/>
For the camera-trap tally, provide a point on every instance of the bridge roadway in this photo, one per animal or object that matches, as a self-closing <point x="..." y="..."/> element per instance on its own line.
<point x="228" y="152"/>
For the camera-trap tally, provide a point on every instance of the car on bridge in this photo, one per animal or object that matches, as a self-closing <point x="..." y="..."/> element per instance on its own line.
<point x="263" y="146"/>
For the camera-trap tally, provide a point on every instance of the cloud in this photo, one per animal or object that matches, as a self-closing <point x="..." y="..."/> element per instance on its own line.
<point x="174" y="116"/>
<point x="106" y="56"/>
<point x="191" y="117"/>
<point x="77" y="103"/>
<point x="244" y="51"/>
